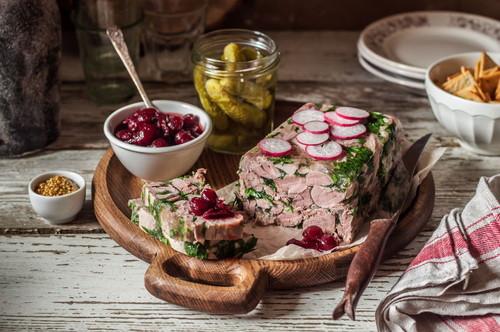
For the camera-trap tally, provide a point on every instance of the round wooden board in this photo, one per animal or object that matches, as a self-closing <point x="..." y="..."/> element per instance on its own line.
<point x="227" y="286"/>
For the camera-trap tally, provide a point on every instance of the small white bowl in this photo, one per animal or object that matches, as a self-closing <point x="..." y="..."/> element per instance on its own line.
<point x="158" y="164"/>
<point x="58" y="209"/>
<point x="477" y="125"/>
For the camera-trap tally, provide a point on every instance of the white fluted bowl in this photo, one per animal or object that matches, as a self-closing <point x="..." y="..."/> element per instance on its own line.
<point x="475" y="124"/>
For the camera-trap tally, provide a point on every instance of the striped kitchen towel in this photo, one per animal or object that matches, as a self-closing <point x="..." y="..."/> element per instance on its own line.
<point x="453" y="284"/>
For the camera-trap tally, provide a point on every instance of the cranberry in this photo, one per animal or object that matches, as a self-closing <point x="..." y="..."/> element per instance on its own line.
<point x="190" y="120"/>
<point x="209" y="195"/>
<point x="312" y="232"/>
<point x="310" y="244"/>
<point x="327" y="242"/>
<point x="121" y="126"/>
<point x="132" y="123"/>
<point x="159" y="142"/>
<point x="162" y="124"/>
<point x="196" y="130"/>
<point x="175" y="122"/>
<point x="145" y="134"/>
<point x="198" y="206"/>
<point x="182" y="137"/>
<point x="145" y="115"/>
<point x="218" y="213"/>
<point x="123" y="135"/>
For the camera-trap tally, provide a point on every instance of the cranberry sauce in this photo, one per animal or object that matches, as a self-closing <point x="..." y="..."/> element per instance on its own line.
<point x="149" y="127"/>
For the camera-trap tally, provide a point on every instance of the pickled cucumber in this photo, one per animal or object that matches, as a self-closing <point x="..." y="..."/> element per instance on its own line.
<point x="232" y="53"/>
<point x="250" y="53"/>
<point x="240" y="112"/>
<point x="219" y="119"/>
<point x="252" y="92"/>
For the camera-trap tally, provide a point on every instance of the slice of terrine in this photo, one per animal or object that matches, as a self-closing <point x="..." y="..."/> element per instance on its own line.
<point x="167" y="211"/>
<point x="297" y="190"/>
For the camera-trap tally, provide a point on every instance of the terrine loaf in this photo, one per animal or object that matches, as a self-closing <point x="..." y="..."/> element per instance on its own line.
<point x="187" y="213"/>
<point x="324" y="166"/>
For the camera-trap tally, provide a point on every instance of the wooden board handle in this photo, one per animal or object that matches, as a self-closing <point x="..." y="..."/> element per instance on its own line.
<point x="221" y="287"/>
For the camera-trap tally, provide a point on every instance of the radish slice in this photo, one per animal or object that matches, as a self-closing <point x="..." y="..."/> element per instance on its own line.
<point x="316" y="127"/>
<point x="275" y="147"/>
<point x="352" y="113"/>
<point x="307" y="138"/>
<point x="328" y="151"/>
<point x="350" y="132"/>
<point x="303" y="117"/>
<point x="335" y="120"/>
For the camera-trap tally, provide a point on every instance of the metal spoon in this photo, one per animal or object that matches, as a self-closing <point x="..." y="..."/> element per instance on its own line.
<point x="116" y="37"/>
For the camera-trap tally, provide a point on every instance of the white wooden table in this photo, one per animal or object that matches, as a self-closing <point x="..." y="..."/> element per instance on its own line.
<point x="74" y="277"/>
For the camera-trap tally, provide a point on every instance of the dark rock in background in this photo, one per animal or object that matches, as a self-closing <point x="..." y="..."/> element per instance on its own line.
<point x="30" y="52"/>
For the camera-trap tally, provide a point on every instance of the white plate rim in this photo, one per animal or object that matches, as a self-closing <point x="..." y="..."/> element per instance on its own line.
<point x="393" y="69"/>
<point x="367" y="66"/>
<point x="384" y="62"/>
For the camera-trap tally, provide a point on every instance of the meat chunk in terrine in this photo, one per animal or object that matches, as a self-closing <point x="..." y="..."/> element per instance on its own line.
<point x="168" y="203"/>
<point x="207" y="249"/>
<point x="299" y="191"/>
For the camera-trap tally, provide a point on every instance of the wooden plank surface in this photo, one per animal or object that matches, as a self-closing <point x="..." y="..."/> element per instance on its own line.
<point x="78" y="281"/>
<point x="87" y="282"/>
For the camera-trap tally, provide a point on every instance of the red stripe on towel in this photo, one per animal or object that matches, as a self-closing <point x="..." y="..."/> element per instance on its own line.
<point x="480" y="242"/>
<point x="472" y="323"/>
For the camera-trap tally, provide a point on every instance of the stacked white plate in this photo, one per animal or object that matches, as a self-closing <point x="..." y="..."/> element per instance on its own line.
<point x="399" y="48"/>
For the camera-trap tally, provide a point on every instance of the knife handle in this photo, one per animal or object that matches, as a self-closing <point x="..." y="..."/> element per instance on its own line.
<point x="364" y="265"/>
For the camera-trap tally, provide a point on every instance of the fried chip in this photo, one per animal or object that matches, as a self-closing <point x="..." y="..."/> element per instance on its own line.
<point x="477" y="70"/>
<point x="453" y="76"/>
<point x="489" y="83"/>
<point x="481" y="83"/>
<point x="497" y="92"/>
<point x="459" y="82"/>
<point x="485" y="62"/>
<point x="469" y="93"/>
<point x="490" y="71"/>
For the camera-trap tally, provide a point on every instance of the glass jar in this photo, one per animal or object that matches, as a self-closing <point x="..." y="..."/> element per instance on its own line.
<point x="235" y="74"/>
<point x="106" y="78"/>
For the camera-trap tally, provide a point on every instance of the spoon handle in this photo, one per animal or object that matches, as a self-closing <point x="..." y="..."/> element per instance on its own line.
<point x="116" y="37"/>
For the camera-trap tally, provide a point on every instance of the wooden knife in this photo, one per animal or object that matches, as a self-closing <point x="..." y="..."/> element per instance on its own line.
<point x="366" y="261"/>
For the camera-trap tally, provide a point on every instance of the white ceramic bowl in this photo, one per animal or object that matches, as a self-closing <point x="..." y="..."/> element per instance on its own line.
<point x="57" y="209"/>
<point x="158" y="164"/>
<point x="477" y="125"/>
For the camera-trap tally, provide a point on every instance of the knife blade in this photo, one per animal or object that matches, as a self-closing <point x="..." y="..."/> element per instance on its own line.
<point x="366" y="260"/>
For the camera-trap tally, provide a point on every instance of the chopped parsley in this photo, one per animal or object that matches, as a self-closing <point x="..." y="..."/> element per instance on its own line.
<point x="288" y="205"/>
<point x="223" y="249"/>
<point x="251" y="193"/>
<point x="281" y="160"/>
<point x="134" y="216"/>
<point x="237" y="204"/>
<point x="179" y="230"/>
<point x="270" y="183"/>
<point x="235" y="248"/>
<point x="196" y="249"/>
<point x="345" y="172"/>
<point x="375" y="122"/>
<point x="157" y="234"/>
